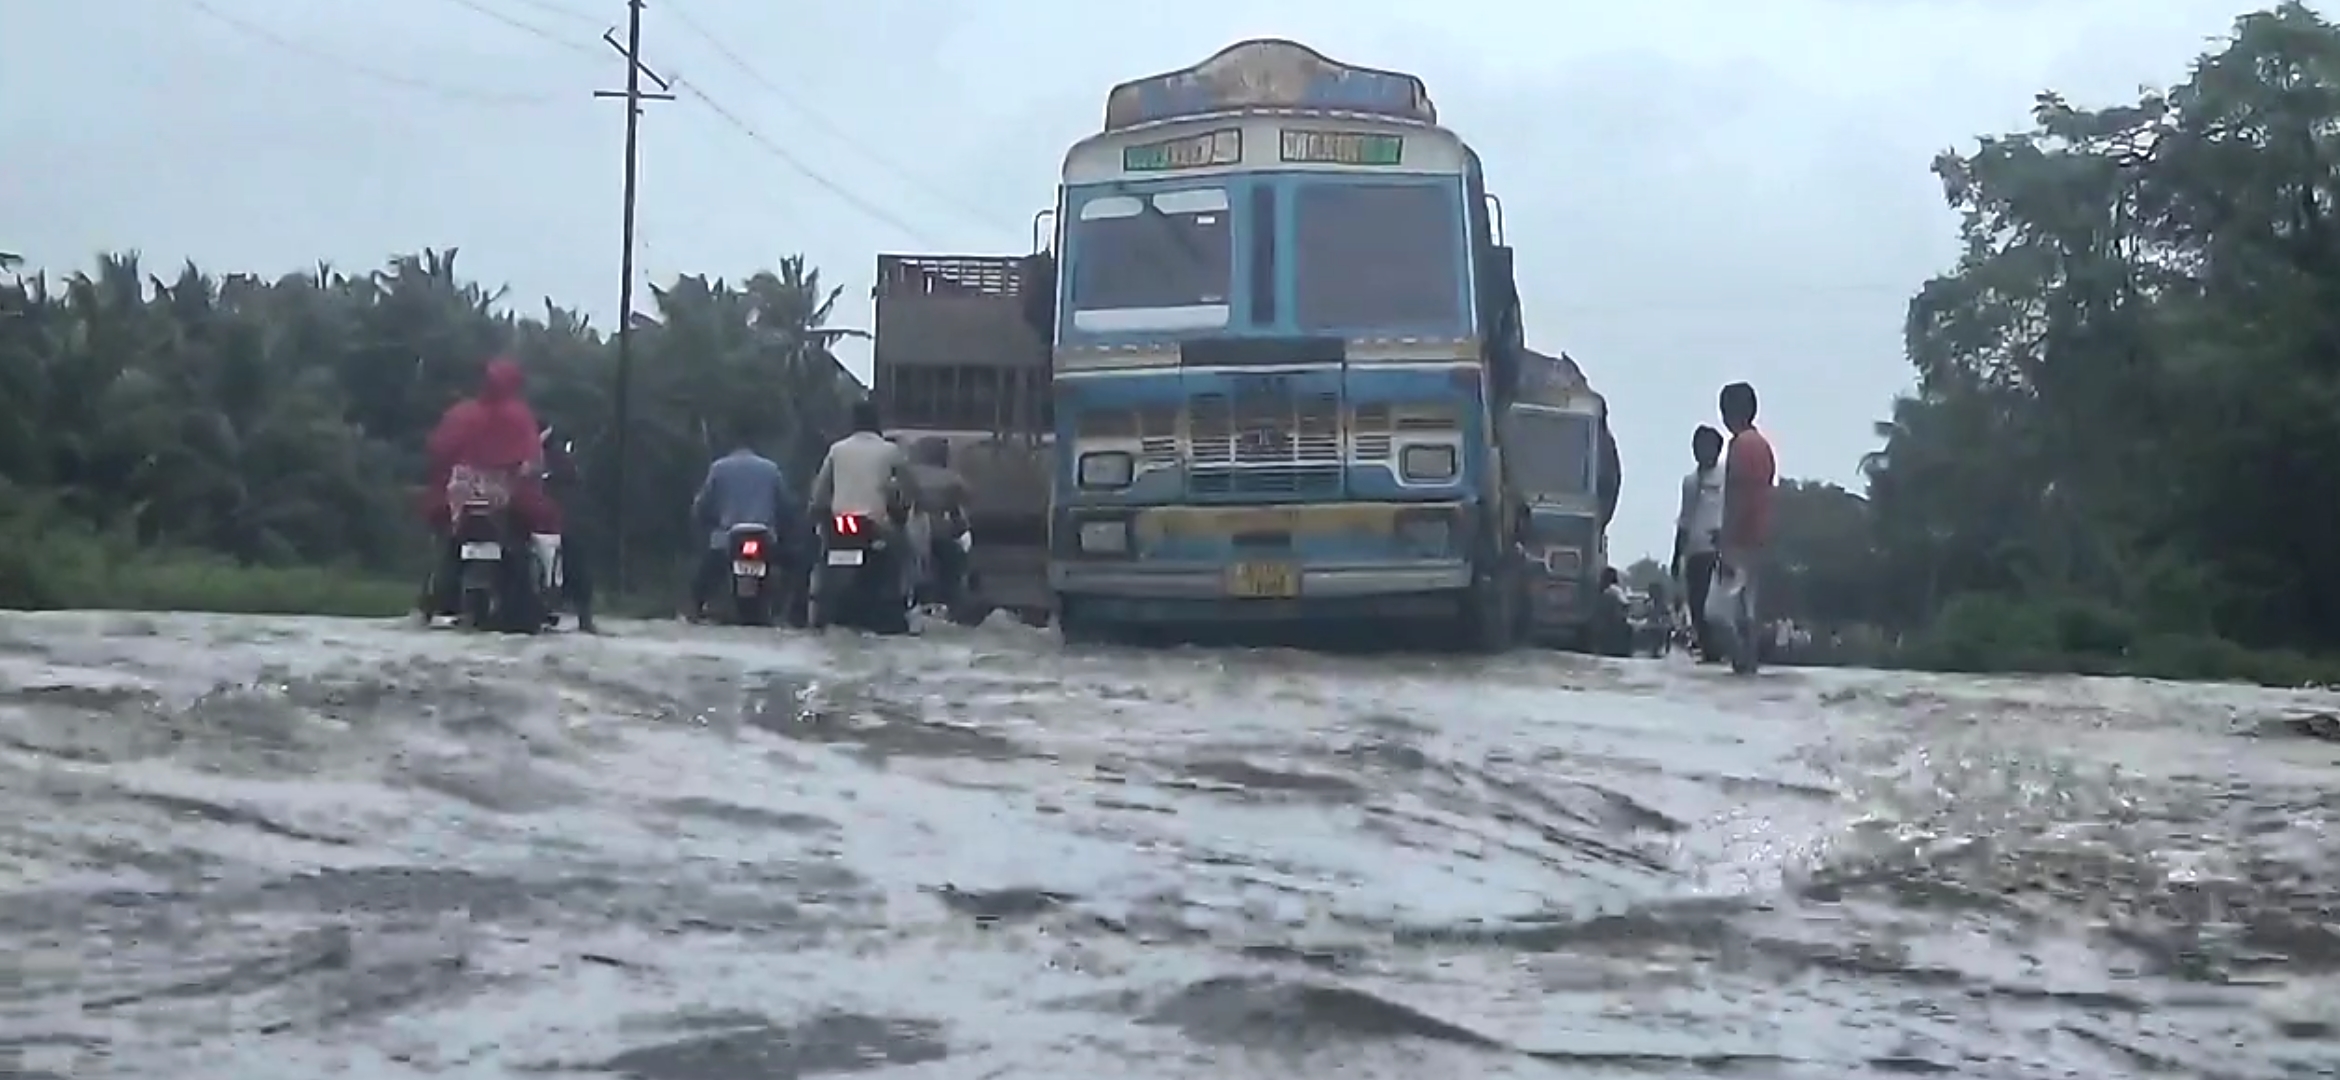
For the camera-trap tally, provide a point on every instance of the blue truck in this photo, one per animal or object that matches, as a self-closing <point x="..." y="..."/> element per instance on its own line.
<point x="1283" y="350"/>
<point x="1284" y="332"/>
<point x="1563" y="462"/>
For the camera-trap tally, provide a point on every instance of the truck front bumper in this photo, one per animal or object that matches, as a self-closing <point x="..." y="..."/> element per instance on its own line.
<point x="1169" y="594"/>
<point x="1208" y="581"/>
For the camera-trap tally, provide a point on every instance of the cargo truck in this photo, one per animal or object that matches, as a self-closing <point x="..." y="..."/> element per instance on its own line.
<point x="956" y="356"/>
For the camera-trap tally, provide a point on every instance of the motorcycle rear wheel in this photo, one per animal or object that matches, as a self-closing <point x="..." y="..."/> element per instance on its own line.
<point x="479" y="609"/>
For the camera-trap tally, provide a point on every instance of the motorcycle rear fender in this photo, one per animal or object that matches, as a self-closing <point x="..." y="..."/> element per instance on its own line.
<point x="482" y="525"/>
<point x="869" y="537"/>
<point x="741" y="534"/>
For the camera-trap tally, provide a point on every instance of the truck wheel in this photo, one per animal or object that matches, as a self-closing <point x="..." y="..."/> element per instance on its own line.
<point x="1079" y="628"/>
<point x="1490" y="616"/>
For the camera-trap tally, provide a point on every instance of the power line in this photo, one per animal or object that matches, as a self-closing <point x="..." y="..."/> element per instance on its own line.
<point x="409" y="82"/>
<point x="550" y="8"/>
<point x="852" y="142"/>
<point x="843" y="194"/>
<point x="531" y="30"/>
<point x="796" y="164"/>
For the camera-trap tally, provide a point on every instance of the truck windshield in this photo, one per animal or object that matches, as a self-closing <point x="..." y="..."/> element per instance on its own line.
<point x="1553" y="451"/>
<point x="1163" y="261"/>
<point x="1378" y="255"/>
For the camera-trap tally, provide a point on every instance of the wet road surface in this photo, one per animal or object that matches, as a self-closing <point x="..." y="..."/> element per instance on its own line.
<point x="248" y="849"/>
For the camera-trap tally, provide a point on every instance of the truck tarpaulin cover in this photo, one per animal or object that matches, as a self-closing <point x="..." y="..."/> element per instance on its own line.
<point x="1552" y="378"/>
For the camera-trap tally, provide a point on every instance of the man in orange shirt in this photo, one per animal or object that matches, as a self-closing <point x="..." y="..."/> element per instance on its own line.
<point x="1750" y="475"/>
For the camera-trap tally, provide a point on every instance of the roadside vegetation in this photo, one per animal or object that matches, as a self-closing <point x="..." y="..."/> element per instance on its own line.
<point x="2123" y="449"/>
<point x="245" y="444"/>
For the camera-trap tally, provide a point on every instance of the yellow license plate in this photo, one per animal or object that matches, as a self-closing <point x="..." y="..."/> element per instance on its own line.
<point x="1263" y="580"/>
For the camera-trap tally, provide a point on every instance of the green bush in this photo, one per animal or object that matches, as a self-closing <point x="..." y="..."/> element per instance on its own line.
<point x="48" y="562"/>
<point x="1985" y="632"/>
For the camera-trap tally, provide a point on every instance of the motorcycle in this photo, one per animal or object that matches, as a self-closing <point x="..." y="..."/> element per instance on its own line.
<point x="504" y="572"/>
<point x="858" y="581"/>
<point x="755" y="551"/>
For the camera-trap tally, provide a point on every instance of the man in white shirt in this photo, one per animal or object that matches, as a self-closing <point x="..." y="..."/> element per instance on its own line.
<point x="864" y="473"/>
<point x="1697" y="530"/>
<point x="868" y="474"/>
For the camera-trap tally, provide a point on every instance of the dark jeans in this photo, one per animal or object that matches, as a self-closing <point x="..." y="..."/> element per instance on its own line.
<point x="1698" y="570"/>
<point x="446" y="581"/>
<point x="577" y="555"/>
<point x="949" y="564"/>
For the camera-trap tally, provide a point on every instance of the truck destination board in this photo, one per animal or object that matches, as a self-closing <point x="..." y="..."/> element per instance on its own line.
<point x="1221" y="147"/>
<point x="1342" y="147"/>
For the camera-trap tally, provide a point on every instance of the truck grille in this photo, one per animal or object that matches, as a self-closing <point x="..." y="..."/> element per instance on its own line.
<point x="1373" y="426"/>
<point x="1562" y="542"/>
<point x="1269" y="443"/>
<point x="1264" y="429"/>
<point x="1153" y="427"/>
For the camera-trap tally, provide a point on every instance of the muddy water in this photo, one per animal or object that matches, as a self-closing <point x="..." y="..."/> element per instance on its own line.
<point x="249" y="849"/>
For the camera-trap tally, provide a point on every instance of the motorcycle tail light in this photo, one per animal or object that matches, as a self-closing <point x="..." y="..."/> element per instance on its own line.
<point x="751" y="548"/>
<point x="848" y="525"/>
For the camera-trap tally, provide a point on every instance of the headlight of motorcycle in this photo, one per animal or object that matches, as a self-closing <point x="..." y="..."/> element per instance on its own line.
<point x="1106" y="469"/>
<point x="1427" y="463"/>
<point x="1104" y="537"/>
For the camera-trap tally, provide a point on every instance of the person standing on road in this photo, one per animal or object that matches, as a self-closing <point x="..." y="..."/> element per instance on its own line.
<point x="564" y="482"/>
<point x="1697" y="528"/>
<point x="1750" y="474"/>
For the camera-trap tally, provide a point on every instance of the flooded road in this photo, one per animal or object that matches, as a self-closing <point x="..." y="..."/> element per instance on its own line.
<point x="250" y="849"/>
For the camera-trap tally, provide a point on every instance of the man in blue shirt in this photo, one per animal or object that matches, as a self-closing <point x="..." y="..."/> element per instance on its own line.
<point x="742" y="488"/>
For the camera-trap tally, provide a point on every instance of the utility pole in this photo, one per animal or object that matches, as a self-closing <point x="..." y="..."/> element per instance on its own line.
<point x="621" y="390"/>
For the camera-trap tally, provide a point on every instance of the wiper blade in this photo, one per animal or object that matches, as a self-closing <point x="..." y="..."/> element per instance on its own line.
<point x="1186" y="245"/>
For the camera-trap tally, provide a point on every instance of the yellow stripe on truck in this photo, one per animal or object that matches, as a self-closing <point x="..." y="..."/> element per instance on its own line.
<point x="1159" y="523"/>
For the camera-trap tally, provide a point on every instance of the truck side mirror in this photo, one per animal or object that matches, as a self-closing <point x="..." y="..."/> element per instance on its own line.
<point x="1037" y="282"/>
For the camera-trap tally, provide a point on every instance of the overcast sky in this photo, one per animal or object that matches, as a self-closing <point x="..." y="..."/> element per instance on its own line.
<point x="1699" y="190"/>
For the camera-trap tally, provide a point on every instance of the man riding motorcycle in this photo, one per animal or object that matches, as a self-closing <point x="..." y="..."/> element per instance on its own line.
<point x="493" y="431"/>
<point x="742" y="487"/>
<point x="866" y="474"/>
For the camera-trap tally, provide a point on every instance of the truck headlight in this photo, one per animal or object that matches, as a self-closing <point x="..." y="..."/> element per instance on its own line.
<point x="1104" y="537"/>
<point x="1427" y="463"/>
<point x="1106" y="469"/>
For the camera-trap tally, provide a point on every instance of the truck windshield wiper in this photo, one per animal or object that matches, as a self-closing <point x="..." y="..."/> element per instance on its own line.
<point x="1168" y="226"/>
